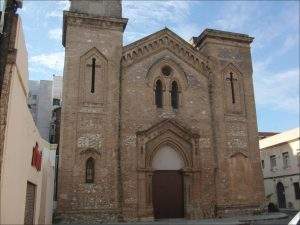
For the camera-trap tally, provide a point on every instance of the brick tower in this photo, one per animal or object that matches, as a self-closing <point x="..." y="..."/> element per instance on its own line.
<point x="89" y="175"/>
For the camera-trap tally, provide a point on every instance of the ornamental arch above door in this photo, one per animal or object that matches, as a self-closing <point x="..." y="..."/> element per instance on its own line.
<point x="166" y="147"/>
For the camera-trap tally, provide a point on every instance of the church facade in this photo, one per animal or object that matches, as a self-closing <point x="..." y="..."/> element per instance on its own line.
<point x="160" y="128"/>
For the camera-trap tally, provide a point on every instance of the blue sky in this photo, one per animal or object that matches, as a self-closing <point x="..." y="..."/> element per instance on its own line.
<point x="275" y="50"/>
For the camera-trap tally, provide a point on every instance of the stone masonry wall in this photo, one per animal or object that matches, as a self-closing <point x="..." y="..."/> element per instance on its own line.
<point x="140" y="113"/>
<point x="239" y="183"/>
<point x="113" y="119"/>
<point x="90" y="124"/>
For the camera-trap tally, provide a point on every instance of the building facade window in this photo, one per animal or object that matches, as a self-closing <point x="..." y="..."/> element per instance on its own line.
<point x="52" y="139"/>
<point x="297" y="190"/>
<point x="166" y="71"/>
<point x="174" y="95"/>
<point x="158" y="94"/>
<point x="285" y="159"/>
<point x="56" y="102"/>
<point x="273" y="162"/>
<point x="93" y="75"/>
<point x="90" y="170"/>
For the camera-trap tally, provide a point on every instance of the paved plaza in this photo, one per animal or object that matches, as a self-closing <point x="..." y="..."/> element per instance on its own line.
<point x="265" y="219"/>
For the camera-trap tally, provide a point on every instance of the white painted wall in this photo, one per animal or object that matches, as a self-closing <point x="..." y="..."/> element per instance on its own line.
<point x="21" y="136"/>
<point x="57" y="87"/>
<point x="276" y="145"/>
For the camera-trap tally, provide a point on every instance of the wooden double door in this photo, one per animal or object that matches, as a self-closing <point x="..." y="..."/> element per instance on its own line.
<point x="167" y="194"/>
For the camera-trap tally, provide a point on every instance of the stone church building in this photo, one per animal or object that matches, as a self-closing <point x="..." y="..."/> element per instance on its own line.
<point x="159" y="128"/>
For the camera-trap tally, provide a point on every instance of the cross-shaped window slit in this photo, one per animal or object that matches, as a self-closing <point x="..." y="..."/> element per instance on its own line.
<point x="231" y="79"/>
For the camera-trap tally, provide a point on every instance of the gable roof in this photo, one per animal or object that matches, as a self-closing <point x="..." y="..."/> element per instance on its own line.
<point x="165" y="39"/>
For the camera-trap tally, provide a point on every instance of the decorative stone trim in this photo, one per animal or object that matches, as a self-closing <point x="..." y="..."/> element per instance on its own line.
<point x="239" y="106"/>
<point x="86" y="98"/>
<point x="90" y="151"/>
<point x="223" y="35"/>
<point x="178" y="75"/>
<point x="82" y="19"/>
<point x="184" y="142"/>
<point x="165" y="39"/>
<point x="189" y="133"/>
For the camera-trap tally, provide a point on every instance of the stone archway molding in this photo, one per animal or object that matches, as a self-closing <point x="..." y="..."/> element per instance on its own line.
<point x="180" y="139"/>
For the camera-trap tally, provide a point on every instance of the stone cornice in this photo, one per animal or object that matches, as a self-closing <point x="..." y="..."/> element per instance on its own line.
<point x="165" y="39"/>
<point x="222" y="35"/>
<point x="79" y="19"/>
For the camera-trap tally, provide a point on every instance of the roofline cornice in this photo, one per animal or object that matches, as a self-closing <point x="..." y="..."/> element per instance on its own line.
<point x="166" y="39"/>
<point x="73" y="18"/>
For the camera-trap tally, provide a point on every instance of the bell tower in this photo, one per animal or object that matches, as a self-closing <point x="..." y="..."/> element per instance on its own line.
<point x="89" y="184"/>
<point x="112" y="8"/>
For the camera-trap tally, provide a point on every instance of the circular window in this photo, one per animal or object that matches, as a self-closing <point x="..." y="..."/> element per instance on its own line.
<point x="166" y="71"/>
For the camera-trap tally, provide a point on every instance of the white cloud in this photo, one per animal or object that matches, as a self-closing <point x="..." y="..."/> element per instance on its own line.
<point x="54" y="13"/>
<point x="64" y="5"/>
<point x="152" y="12"/>
<point x="58" y="12"/>
<point x="55" y="34"/>
<point x="278" y="90"/>
<point x="251" y="18"/>
<point x="188" y="30"/>
<point x="54" y="61"/>
<point x="235" y="15"/>
<point x="289" y="43"/>
<point x="147" y="17"/>
<point x="131" y="36"/>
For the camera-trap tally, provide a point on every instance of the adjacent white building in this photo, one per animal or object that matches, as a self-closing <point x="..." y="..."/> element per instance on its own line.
<point x="57" y="90"/>
<point x="280" y="161"/>
<point x="40" y="102"/>
<point x="44" y="96"/>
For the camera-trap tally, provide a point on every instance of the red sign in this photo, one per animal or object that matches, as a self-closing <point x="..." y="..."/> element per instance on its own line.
<point x="36" y="160"/>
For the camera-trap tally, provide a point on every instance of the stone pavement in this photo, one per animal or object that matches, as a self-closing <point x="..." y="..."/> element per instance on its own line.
<point x="268" y="218"/>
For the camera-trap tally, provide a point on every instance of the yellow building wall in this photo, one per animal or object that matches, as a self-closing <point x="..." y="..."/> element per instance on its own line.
<point x="21" y="136"/>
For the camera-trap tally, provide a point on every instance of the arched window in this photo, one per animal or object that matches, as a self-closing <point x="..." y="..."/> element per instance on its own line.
<point x="90" y="170"/>
<point x="158" y="94"/>
<point x="174" y="95"/>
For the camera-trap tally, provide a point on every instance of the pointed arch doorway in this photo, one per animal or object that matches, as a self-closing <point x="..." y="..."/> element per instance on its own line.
<point x="167" y="184"/>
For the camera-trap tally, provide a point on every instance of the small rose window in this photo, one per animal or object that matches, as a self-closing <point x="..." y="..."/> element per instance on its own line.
<point x="166" y="71"/>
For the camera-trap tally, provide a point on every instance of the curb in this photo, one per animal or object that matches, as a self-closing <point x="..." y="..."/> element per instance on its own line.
<point x="275" y="217"/>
